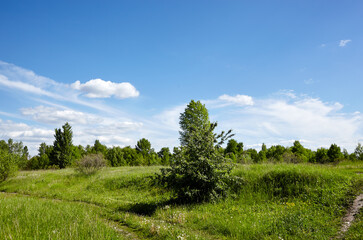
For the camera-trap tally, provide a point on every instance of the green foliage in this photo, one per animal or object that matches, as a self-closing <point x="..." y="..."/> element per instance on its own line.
<point x="321" y="155"/>
<point x="38" y="162"/>
<point x="253" y="155"/>
<point x="42" y="160"/>
<point x="262" y="154"/>
<point x="8" y="164"/>
<point x="98" y="148"/>
<point x="78" y="152"/>
<point x="334" y="153"/>
<point x="164" y="154"/>
<point x="234" y="150"/>
<point x="199" y="171"/>
<point x="358" y="152"/>
<point x="301" y="154"/>
<point x="143" y="146"/>
<point x="131" y="157"/>
<point x="90" y="164"/>
<point x="146" y="153"/>
<point x="115" y="157"/>
<point x="195" y="118"/>
<point x="62" y="147"/>
<point x="275" y="153"/>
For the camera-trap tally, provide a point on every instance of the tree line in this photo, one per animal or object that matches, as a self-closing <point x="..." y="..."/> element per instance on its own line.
<point x="63" y="153"/>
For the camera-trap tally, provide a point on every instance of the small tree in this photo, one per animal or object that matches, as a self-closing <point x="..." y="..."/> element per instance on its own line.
<point x="164" y="154"/>
<point x="334" y="153"/>
<point x="8" y="164"/>
<point x="62" y="147"/>
<point x="199" y="171"/>
<point x="358" y="152"/>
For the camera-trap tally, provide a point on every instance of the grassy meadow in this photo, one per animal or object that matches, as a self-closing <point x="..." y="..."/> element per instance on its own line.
<point x="276" y="201"/>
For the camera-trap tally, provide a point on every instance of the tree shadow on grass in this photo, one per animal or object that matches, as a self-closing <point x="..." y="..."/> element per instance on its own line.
<point x="149" y="208"/>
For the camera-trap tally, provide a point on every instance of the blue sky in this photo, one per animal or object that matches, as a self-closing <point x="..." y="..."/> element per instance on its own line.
<point x="118" y="71"/>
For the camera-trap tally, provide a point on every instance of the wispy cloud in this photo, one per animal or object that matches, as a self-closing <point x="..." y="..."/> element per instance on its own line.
<point x="23" y="87"/>
<point x="241" y="100"/>
<point x="343" y="43"/>
<point x="53" y="115"/>
<point x="98" y="88"/>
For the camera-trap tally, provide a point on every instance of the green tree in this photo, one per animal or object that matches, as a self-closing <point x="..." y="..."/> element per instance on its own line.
<point x="143" y="146"/>
<point x="164" y="154"/>
<point x="131" y="156"/>
<point x="199" y="171"/>
<point x="358" y="152"/>
<point x="8" y="164"/>
<point x="99" y="148"/>
<point x="62" y="147"/>
<point x="262" y="154"/>
<point x="195" y="118"/>
<point x="321" y="155"/>
<point x="115" y="157"/>
<point x="231" y="147"/>
<point x="274" y="153"/>
<point x="334" y="153"/>
<point x="300" y="152"/>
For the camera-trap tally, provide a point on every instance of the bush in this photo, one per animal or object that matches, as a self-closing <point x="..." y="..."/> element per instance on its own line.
<point x="7" y="165"/>
<point x="90" y="164"/>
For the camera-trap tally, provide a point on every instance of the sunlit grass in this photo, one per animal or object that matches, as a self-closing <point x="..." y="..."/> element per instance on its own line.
<point x="287" y="201"/>
<point x="24" y="217"/>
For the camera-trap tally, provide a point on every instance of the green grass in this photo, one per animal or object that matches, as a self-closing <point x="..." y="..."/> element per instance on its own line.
<point x="276" y="201"/>
<point x="24" y="217"/>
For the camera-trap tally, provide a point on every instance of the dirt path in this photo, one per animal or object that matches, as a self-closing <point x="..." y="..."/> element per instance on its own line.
<point x="350" y="216"/>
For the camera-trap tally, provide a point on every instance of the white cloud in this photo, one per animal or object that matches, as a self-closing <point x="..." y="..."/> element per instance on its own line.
<point x="31" y="136"/>
<point x="14" y="77"/>
<point x="227" y="100"/>
<point x="241" y="100"/>
<point x="54" y="115"/>
<point x="98" y="88"/>
<point x="343" y="43"/>
<point x="276" y="120"/>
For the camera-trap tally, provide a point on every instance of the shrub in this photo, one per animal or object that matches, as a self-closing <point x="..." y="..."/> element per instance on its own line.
<point x="90" y="164"/>
<point x="7" y="165"/>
